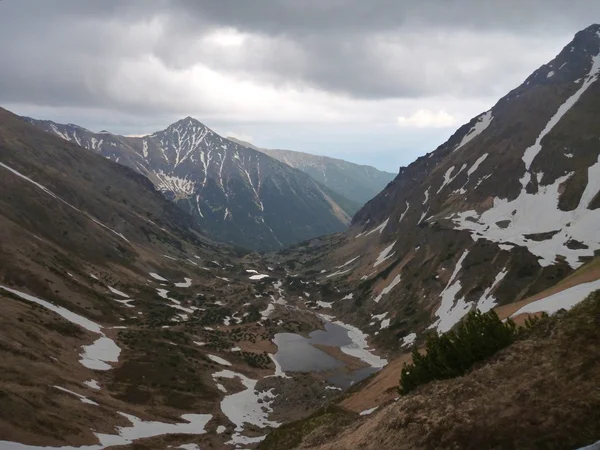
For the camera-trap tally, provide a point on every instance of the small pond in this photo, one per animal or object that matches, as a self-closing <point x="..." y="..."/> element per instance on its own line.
<point x="298" y="354"/>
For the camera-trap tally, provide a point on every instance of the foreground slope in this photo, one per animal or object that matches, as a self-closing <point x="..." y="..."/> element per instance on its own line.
<point x="359" y="183"/>
<point x="507" y="207"/>
<point x="541" y="392"/>
<point x="236" y="194"/>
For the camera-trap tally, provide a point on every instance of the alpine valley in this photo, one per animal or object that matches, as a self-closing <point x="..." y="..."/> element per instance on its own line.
<point x="131" y="321"/>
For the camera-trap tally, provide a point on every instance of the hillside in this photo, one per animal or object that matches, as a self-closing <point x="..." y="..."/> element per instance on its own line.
<point x="506" y="208"/>
<point x="236" y="194"/>
<point x="123" y="323"/>
<point x="355" y="182"/>
<point x="538" y="393"/>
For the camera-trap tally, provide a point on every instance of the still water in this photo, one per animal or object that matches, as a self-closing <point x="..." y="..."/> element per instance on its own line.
<point x="297" y="354"/>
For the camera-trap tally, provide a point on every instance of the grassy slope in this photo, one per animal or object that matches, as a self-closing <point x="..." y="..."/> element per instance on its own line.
<point x="541" y="392"/>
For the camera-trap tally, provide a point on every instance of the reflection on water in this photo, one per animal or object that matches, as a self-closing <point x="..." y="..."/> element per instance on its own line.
<point x="297" y="354"/>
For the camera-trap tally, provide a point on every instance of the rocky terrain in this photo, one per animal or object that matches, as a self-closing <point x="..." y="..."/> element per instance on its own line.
<point x="355" y="182"/>
<point x="118" y="311"/>
<point x="124" y="324"/>
<point x="236" y="194"/>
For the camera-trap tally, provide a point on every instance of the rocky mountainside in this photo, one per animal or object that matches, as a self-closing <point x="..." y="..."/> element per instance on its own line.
<point x="123" y="324"/>
<point x="236" y="194"/>
<point x="505" y="208"/>
<point x="505" y="215"/>
<point x="354" y="181"/>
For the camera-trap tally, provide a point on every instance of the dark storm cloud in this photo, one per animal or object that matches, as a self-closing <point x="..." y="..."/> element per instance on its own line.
<point x="77" y="52"/>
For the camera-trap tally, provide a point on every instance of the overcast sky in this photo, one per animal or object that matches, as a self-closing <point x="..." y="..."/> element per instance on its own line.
<point x="376" y="82"/>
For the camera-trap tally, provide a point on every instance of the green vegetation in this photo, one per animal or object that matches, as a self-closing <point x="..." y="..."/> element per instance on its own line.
<point x="476" y="338"/>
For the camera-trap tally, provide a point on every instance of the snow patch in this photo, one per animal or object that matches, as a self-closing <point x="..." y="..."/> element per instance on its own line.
<point x="449" y="312"/>
<point x="483" y="121"/>
<point x="387" y="289"/>
<point x="385" y="254"/>
<point x="561" y="300"/>
<point x="157" y="277"/>
<point x="219" y="360"/>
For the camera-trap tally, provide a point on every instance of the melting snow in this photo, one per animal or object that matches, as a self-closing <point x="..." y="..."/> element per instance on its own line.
<point x="561" y="300"/>
<point x="347" y="262"/>
<point x="339" y="272"/>
<point x="404" y="213"/>
<point x="487" y="301"/>
<point x="186" y="283"/>
<point x="259" y="276"/>
<point x="92" y="384"/>
<point x="157" y="277"/>
<point x="324" y="304"/>
<point x="359" y="347"/>
<point x="408" y="340"/>
<point x="539" y="213"/>
<point x="348" y="297"/>
<point x="366" y="412"/>
<point x="179" y="186"/>
<point x="116" y="291"/>
<point x="387" y="289"/>
<point x="219" y="360"/>
<point x="245" y="407"/>
<point x="385" y="254"/>
<point x="532" y="152"/>
<point x="94" y="356"/>
<point x="379" y="228"/>
<point x="82" y="398"/>
<point x="483" y="121"/>
<point x="450" y="313"/>
<point x="476" y="164"/>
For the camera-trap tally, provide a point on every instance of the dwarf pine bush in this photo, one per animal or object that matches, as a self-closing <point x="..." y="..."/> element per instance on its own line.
<point x="449" y="355"/>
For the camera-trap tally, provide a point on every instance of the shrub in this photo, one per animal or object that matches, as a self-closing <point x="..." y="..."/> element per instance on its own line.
<point x="476" y="338"/>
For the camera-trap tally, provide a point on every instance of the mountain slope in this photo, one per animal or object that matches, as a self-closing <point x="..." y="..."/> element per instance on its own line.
<point x="356" y="182"/>
<point x="505" y="208"/>
<point x="122" y="324"/>
<point x="238" y="195"/>
<point x="538" y="393"/>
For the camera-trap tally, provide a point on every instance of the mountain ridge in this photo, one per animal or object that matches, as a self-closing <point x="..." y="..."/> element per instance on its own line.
<point x="238" y="195"/>
<point x="358" y="182"/>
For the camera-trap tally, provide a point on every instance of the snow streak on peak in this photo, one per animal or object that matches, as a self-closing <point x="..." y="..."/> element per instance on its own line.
<point x="480" y="126"/>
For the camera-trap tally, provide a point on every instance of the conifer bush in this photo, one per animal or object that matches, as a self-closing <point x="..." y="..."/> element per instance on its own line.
<point x="449" y="355"/>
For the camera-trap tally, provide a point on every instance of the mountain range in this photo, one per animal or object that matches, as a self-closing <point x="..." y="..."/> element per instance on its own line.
<point x="237" y="194"/>
<point x="355" y="182"/>
<point x="125" y="323"/>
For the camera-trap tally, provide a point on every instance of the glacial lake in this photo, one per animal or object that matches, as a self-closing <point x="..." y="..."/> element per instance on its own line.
<point x="297" y="354"/>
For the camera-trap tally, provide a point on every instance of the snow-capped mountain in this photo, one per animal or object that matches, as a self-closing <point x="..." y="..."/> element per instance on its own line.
<point x="508" y="206"/>
<point x="237" y="194"/>
<point x="355" y="182"/>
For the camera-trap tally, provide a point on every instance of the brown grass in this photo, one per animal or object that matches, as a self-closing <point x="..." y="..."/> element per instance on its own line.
<point x="541" y="392"/>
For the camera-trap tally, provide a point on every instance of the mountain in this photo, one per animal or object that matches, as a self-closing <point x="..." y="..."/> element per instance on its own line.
<point x="505" y="208"/>
<point x="124" y="325"/>
<point x="356" y="182"/>
<point x="505" y="215"/>
<point x="236" y="194"/>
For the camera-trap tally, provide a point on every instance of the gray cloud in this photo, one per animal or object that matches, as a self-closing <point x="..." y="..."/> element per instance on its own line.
<point x="68" y="51"/>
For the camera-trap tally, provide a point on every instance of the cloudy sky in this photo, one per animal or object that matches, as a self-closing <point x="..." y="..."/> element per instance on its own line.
<point x="377" y="82"/>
